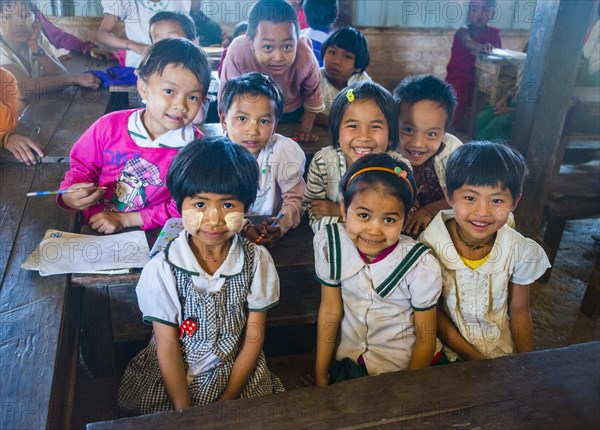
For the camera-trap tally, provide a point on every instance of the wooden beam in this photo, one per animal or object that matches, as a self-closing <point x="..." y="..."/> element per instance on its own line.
<point x="553" y="57"/>
<point x="345" y="13"/>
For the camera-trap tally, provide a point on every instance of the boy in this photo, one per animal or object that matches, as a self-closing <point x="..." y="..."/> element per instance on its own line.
<point x="426" y="105"/>
<point x="320" y="14"/>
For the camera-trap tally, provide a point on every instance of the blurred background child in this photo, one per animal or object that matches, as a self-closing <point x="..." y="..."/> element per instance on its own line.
<point x="119" y="165"/>
<point x="250" y="108"/>
<point x="363" y="120"/>
<point x="272" y="45"/>
<point x="320" y="14"/>
<point x="486" y="265"/>
<point x="239" y="30"/>
<point x="425" y="108"/>
<point x="379" y="288"/>
<point x="469" y="40"/>
<point x="209" y="33"/>
<point x="345" y="56"/>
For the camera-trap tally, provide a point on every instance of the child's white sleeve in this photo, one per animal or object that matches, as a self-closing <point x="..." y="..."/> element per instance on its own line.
<point x="157" y="293"/>
<point x="325" y="264"/>
<point x="264" y="287"/>
<point x="530" y="262"/>
<point x="425" y="283"/>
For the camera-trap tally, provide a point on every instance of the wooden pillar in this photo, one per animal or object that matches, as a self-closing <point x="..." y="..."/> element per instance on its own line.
<point x="345" y="13"/>
<point x="553" y="57"/>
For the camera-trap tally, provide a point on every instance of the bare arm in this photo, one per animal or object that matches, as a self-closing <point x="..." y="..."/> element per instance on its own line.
<point x="171" y="365"/>
<point x="331" y="311"/>
<point x="245" y="362"/>
<point x="466" y="39"/>
<point x="451" y="337"/>
<point x="521" y="325"/>
<point x="106" y="36"/>
<point x="30" y="86"/>
<point x="424" y="349"/>
<point x="305" y="133"/>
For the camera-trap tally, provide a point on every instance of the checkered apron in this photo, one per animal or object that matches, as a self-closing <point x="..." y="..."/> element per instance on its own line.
<point x="221" y="318"/>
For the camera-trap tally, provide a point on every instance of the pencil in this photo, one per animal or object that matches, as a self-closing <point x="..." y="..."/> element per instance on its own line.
<point x="259" y="238"/>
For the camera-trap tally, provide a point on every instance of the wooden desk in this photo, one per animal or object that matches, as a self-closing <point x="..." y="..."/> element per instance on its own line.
<point x="39" y="317"/>
<point x="546" y="389"/>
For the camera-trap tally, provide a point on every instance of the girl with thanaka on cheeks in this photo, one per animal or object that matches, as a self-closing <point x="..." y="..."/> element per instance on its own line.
<point x="486" y="265"/>
<point x="206" y="295"/>
<point x="379" y="288"/>
<point x="250" y="109"/>
<point x="119" y="165"/>
<point x="363" y="121"/>
<point x="273" y="46"/>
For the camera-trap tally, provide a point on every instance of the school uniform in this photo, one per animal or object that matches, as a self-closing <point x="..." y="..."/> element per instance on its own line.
<point x="29" y="64"/>
<point x="477" y="300"/>
<point x="379" y="299"/>
<point x="281" y="185"/>
<point x="173" y="290"/>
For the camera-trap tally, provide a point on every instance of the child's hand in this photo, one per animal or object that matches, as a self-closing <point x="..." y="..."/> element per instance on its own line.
<point x="271" y="235"/>
<point x="321" y="208"/>
<point x="87" y="195"/>
<point x="33" y="42"/>
<point x="101" y="54"/>
<point x="23" y="149"/>
<point x="109" y="222"/>
<point x="87" y="80"/>
<point x="486" y="47"/>
<point x="305" y="136"/>
<point x="417" y="222"/>
<point x="252" y="232"/>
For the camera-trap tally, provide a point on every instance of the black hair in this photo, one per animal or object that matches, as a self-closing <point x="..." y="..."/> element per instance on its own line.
<point x="350" y="39"/>
<point x="415" y="89"/>
<point x="486" y="163"/>
<point x="213" y="165"/>
<point x="252" y="84"/>
<point x="276" y="11"/>
<point x="365" y="90"/>
<point x="402" y="187"/>
<point x="187" y="25"/>
<point x="176" y="52"/>
<point x="241" y="27"/>
<point x="320" y="14"/>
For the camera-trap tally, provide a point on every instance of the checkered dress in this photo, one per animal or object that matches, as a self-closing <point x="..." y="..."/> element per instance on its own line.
<point x="221" y="320"/>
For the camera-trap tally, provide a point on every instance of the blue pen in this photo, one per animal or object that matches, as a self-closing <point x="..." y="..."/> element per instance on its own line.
<point x="50" y="193"/>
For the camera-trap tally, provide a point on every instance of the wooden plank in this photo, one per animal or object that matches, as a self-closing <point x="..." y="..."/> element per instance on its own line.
<point x="32" y="311"/>
<point x="552" y="388"/>
<point x="544" y="96"/>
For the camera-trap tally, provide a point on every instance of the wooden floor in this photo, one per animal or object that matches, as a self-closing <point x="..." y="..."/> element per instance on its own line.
<point x="555" y="308"/>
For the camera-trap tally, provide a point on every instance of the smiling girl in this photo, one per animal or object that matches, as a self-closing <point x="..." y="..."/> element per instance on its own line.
<point x="272" y="46"/>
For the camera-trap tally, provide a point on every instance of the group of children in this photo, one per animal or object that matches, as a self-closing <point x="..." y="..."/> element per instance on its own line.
<point x="391" y="175"/>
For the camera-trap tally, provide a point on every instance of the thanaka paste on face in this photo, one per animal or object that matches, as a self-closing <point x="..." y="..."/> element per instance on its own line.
<point x="192" y="220"/>
<point x="234" y="221"/>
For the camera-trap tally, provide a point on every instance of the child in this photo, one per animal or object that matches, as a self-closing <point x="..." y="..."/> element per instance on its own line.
<point x="476" y="37"/>
<point x="24" y="149"/>
<point x="379" y="288"/>
<point x="136" y="14"/>
<point x="208" y="32"/>
<point x="346" y="56"/>
<point x="425" y="106"/>
<point x="363" y="121"/>
<point x="239" y="30"/>
<point x="250" y="108"/>
<point x="119" y="165"/>
<point x="487" y="266"/>
<point x="321" y="14"/>
<point x="26" y="53"/>
<point x="272" y="46"/>
<point x="206" y="295"/>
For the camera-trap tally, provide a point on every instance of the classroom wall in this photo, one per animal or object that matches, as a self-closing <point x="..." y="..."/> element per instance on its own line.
<point x="395" y="52"/>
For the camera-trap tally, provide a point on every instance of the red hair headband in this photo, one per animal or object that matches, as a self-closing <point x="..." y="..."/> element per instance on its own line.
<point x="396" y="171"/>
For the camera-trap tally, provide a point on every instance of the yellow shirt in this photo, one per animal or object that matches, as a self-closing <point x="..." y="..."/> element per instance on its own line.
<point x="474" y="264"/>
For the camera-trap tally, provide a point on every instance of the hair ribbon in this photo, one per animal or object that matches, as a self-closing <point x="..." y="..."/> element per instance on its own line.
<point x="396" y="171"/>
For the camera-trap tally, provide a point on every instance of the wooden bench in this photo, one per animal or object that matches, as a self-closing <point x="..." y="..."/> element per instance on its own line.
<point x="545" y="389"/>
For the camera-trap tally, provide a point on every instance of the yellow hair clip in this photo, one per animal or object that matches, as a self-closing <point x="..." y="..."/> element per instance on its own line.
<point x="350" y="95"/>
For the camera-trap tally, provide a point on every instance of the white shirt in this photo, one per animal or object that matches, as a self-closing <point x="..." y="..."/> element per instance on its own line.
<point x="378" y="321"/>
<point x="451" y="144"/>
<point x="157" y="291"/>
<point x="9" y="57"/>
<point x="330" y="92"/>
<point x="477" y="300"/>
<point x="136" y="14"/>
<point x="171" y="139"/>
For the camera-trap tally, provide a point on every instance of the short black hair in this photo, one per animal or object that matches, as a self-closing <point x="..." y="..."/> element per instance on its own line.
<point x="365" y="90"/>
<point x="320" y="14"/>
<point x="276" y="11"/>
<point x="186" y="23"/>
<point x="400" y="186"/>
<point x="415" y="89"/>
<point x="252" y="84"/>
<point x="240" y="27"/>
<point x="350" y="39"/>
<point x="176" y="52"/>
<point x="213" y="165"/>
<point x="483" y="163"/>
